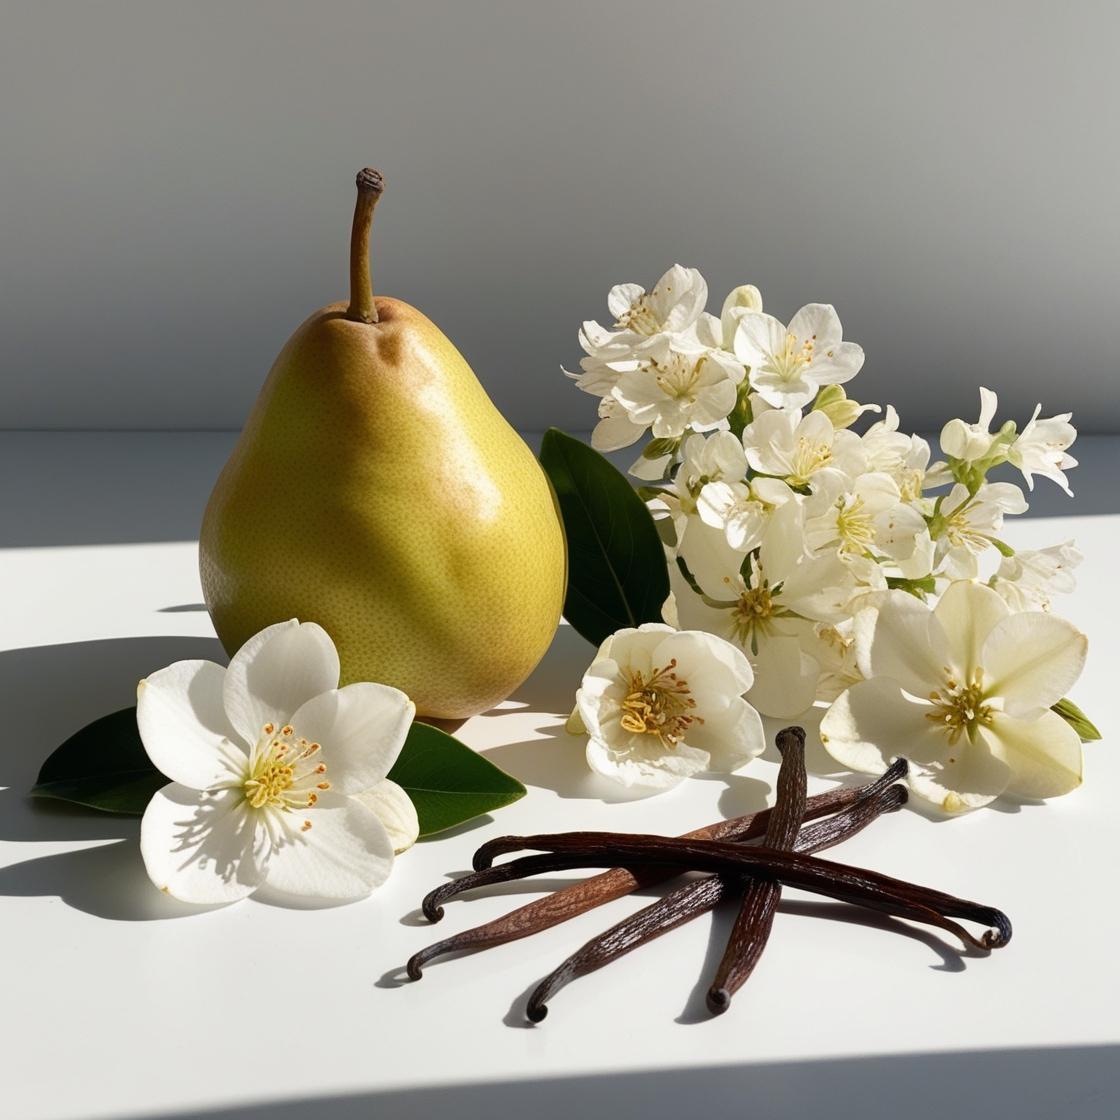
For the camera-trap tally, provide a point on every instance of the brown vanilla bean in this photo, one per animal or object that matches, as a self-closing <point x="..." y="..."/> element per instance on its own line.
<point x="759" y="904"/>
<point x="569" y="902"/>
<point x="834" y="880"/>
<point x="698" y="897"/>
<point x="749" y="827"/>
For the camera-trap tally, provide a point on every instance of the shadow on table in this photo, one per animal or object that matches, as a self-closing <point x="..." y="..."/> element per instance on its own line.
<point x="1075" y="1083"/>
<point x="51" y="692"/>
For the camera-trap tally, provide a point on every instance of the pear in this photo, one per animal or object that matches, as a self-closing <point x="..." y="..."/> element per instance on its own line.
<point x="377" y="491"/>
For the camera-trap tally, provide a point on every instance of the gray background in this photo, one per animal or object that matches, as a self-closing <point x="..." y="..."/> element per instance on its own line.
<point x="176" y="189"/>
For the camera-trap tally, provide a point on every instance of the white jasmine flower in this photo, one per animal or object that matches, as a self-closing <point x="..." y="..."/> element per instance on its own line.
<point x="1030" y="578"/>
<point x="864" y="518"/>
<point x="660" y="705"/>
<point x="789" y="364"/>
<point x="971" y="442"/>
<point x="782" y="443"/>
<point x="964" y="693"/>
<point x="266" y="759"/>
<point x="766" y="610"/>
<point x="966" y="524"/>
<point x="674" y="391"/>
<point x="1041" y="449"/>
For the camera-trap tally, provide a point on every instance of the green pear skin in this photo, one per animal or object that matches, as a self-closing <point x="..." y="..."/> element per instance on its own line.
<point x="377" y="491"/>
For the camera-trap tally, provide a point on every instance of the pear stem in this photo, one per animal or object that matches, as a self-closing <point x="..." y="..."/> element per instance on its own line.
<point x="370" y="186"/>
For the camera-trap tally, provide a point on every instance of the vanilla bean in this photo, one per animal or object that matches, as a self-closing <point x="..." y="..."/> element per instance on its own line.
<point x="698" y="897"/>
<point x="834" y="880"/>
<point x="759" y="904"/>
<point x="569" y="902"/>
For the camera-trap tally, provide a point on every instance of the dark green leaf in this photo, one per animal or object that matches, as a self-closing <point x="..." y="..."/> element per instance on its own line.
<point x="448" y="782"/>
<point x="104" y="766"/>
<point x="617" y="573"/>
<point x="1077" y="719"/>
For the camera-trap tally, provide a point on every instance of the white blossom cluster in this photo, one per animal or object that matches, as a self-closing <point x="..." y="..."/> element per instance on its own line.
<point x="783" y="525"/>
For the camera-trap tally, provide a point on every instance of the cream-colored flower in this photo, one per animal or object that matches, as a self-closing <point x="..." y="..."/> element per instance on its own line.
<point x="269" y="760"/>
<point x="964" y="692"/>
<point x="659" y="705"/>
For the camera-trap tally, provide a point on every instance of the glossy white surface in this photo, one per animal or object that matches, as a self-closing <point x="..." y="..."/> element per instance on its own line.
<point x="120" y="1002"/>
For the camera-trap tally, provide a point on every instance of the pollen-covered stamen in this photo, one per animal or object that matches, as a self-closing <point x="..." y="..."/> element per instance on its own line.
<point x="809" y="456"/>
<point x="752" y="613"/>
<point x="959" y="708"/>
<point x="640" y="318"/>
<point x="677" y="377"/>
<point x="660" y="704"/>
<point x="280" y="766"/>
<point x="854" y="526"/>
<point x="795" y="354"/>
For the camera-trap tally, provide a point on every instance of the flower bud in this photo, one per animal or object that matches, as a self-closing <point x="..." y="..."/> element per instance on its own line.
<point x="746" y="297"/>
<point x="839" y="407"/>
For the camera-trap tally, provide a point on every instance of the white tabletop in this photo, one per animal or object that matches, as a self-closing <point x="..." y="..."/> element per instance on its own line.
<point x="121" y="1002"/>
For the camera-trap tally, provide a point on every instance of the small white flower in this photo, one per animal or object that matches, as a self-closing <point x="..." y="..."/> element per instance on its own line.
<point x="660" y="705"/>
<point x="966" y="525"/>
<point x="789" y="364"/>
<point x="864" y="518"/>
<point x="767" y="611"/>
<point x="704" y="459"/>
<point x="971" y="442"/>
<point x="905" y="458"/>
<point x="742" y="509"/>
<point x="782" y="443"/>
<point x="671" y="308"/>
<point x="266" y="759"/>
<point x="615" y="429"/>
<point x="1030" y="578"/>
<point x="1041" y="449"/>
<point x="964" y="693"/>
<point x="675" y="391"/>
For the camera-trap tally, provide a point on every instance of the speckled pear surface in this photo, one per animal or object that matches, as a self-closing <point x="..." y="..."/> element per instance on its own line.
<point x="377" y="491"/>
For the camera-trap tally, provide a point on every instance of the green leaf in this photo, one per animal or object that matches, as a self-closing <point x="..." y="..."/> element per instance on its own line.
<point x="919" y="587"/>
<point x="617" y="573"/>
<point x="1077" y="719"/>
<point x="104" y="766"/>
<point x="448" y="782"/>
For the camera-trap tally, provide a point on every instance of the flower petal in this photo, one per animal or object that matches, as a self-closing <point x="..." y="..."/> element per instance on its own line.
<point x="1043" y="754"/>
<point x="900" y="639"/>
<point x="201" y="847"/>
<point x="645" y="766"/>
<point x="395" y="811"/>
<point x="731" y="738"/>
<point x="361" y="728"/>
<point x="785" y="677"/>
<point x="275" y="672"/>
<point x="817" y="321"/>
<point x="873" y="722"/>
<point x="184" y="727"/>
<point x="1032" y="660"/>
<point x="344" y="855"/>
<point x="968" y="612"/>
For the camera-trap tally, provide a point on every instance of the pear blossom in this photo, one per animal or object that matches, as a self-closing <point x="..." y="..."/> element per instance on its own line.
<point x="742" y="509"/>
<point x="789" y="364"/>
<point x="784" y="444"/>
<point x="765" y="604"/>
<point x="966" y="524"/>
<point x="1041" y="449"/>
<point x="270" y="761"/>
<point x="863" y="518"/>
<point x="704" y="459"/>
<point x="660" y="705"/>
<point x="674" y="391"/>
<point x="972" y="442"/>
<point x="615" y="429"/>
<point x="1030" y="578"/>
<point x="671" y="308"/>
<point x="905" y="458"/>
<point x="964" y="692"/>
